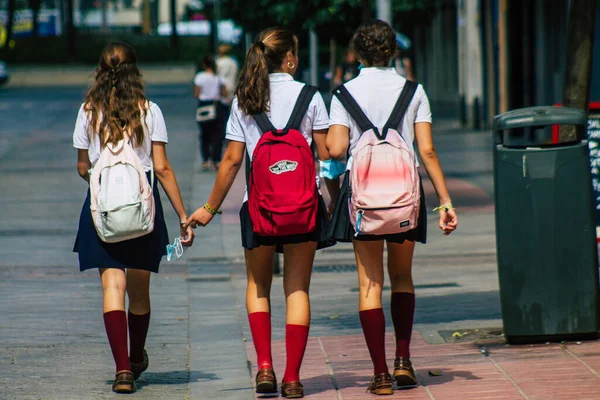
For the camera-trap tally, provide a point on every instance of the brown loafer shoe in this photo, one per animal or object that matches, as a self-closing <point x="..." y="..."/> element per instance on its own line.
<point x="266" y="382"/>
<point x="138" y="368"/>
<point x="404" y="374"/>
<point x="381" y="384"/>
<point x="123" y="382"/>
<point x="292" y="390"/>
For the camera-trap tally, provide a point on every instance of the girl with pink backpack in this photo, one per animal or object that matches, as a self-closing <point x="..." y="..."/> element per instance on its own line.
<point x="374" y="121"/>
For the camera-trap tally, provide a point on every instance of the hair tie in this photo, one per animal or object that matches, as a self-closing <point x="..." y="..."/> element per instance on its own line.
<point x="261" y="45"/>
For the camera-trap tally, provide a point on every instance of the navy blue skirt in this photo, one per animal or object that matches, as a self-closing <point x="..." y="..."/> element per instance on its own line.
<point x="251" y="240"/>
<point x="143" y="253"/>
<point x="341" y="230"/>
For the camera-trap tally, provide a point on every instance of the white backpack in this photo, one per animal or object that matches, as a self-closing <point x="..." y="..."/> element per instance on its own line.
<point x="121" y="198"/>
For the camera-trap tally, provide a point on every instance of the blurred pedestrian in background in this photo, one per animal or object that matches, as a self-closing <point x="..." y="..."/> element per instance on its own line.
<point x="347" y="70"/>
<point x="228" y="69"/>
<point x="116" y="107"/>
<point x="209" y="89"/>
<point x="402" y="62"/>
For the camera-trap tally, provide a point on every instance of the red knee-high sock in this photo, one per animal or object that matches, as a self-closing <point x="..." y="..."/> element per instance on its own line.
<point x="260" y="325"/>
<point x="115" y="323"/>
<point x="403" y="313"/>
<point x="373" y="325"/>
<point x="296" y="337"/>
<point x="138" y="330"/>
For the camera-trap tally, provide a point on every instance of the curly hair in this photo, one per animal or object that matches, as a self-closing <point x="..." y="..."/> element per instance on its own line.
<point x="265" y="56"/>
<point x="374" y="43"/>
<point x="116" y="102"/>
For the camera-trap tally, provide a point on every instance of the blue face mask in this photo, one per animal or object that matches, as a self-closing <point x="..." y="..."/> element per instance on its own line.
<point x="332" y="169"/>
<point x="175" y="248"/>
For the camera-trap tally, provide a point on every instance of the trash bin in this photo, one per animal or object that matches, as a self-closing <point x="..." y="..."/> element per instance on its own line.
<point x="545" y="228"/>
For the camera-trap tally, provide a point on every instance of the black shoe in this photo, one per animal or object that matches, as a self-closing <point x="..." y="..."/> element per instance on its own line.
<point x="404" y="374"/>
<point x="138" y="368"/>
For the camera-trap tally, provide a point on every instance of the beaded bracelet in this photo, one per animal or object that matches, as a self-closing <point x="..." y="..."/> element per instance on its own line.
<point x="211" y="210"/>
<point x="445" y="207"/>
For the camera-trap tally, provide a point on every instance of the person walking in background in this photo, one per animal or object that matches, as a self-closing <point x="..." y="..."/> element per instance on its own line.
<point x="209" y="88"/>
<point x="347" y="70"/>
<point x="270" y="112"/>
<point x="228" y="70"/>
<point x="363" y="114"/>
<point x="402" y="62"/>
<point x="115" y="110"/>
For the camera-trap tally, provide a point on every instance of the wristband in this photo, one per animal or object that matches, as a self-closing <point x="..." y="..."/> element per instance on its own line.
<point x="445" y="207"/>
<point x="211" y="211"/>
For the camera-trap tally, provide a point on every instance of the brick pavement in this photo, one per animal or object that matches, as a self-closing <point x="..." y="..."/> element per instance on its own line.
<point x="338" y="367"/>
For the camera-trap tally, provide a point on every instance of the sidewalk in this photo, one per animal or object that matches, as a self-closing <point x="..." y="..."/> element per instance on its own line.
<point x="52" y="340"/>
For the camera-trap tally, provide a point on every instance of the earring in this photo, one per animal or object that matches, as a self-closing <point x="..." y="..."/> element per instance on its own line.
<point x="291" y="65"/>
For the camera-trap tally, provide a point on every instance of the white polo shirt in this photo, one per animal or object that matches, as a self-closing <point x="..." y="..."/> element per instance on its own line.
<point x="284" y="93"/>
<point x="155" y="130"/>
<point x="376" y="90"/>
<point x="210" y="86"/>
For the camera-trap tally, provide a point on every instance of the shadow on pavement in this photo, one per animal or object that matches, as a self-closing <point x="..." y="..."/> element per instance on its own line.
<point x="172" y="378"/>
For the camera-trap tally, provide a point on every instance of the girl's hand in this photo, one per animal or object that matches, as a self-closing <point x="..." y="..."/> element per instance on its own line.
<point x="187" y="235"/>
<point x="448" y="221"/>
<point x="200" y="217"/>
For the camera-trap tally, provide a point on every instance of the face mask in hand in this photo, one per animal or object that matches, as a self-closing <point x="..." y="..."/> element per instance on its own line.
<point x="175" y="248"/>
<point x="332" y="169"/>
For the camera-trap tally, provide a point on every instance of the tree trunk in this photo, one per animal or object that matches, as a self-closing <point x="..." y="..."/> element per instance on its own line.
<point x="578" y="69"/>
<point x="35" y="9"/>
<point x="367" y="10"/>
<point x="174" y="35"/>
<point x="332" y="62"/>
<point x="12" y="4"/>
<point x="104" y="16"/>
<point x="70" y="29"/>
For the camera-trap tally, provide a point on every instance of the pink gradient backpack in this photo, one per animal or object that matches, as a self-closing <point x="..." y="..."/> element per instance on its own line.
<point x="384" y="181"/>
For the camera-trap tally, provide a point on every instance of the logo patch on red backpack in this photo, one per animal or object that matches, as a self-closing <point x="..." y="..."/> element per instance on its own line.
<point x="282" y="195"/>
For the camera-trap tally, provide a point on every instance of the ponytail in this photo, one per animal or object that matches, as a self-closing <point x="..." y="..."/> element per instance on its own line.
<point x="254" y="89"/>
<point x="264" y="57"/>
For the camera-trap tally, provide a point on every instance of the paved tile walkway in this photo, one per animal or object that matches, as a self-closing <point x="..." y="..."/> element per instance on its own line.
<point x="339" y="368"/>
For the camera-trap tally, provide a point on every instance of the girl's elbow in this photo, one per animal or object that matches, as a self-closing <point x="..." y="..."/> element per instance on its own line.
<point x="428" y="154"/>
<point x="162" y="171"/>
<point x="336" y="153"/>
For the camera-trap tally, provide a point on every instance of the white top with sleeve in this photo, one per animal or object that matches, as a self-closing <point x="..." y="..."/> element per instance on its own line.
<point x="284" y="93"/>
<point x="210" y="86"/>
<point x="376" y="90"/>
<point x="154" y="126"/>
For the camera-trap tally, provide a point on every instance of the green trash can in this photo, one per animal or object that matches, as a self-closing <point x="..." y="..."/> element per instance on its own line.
<point x="545" y="228"/>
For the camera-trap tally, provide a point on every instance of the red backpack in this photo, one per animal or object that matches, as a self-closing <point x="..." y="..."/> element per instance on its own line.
<point x="283" y="195"/>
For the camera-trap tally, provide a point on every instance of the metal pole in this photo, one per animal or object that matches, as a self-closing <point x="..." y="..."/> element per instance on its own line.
<point x="313" y="44"/>
<point x="174" y="35"/>
<point x="215" y="25"/>
<point x="384" y="10"/>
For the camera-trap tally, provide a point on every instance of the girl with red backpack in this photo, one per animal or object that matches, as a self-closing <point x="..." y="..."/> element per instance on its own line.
<point x="275" y="119"/>
<point x="115" y="111"/>
<point x="375" y="119"/>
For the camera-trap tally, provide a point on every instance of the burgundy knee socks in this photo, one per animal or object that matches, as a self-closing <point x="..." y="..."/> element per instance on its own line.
<point x="115" y="323"/>
<point x="373" y="325"/>
<point x="138" y="330"/>
<point x="403" y="312"/>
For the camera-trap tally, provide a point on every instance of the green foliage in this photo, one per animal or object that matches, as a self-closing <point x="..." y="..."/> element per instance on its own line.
<point x="332" y="18"/>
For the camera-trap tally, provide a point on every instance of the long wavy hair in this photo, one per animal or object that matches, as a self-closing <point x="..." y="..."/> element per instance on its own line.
<point x="116" y="102"/>
<point x="264" y="56"/>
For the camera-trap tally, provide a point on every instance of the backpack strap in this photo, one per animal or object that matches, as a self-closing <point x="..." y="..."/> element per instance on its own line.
<point x="264" y="123"/>
<point x="304" y="98"/>
<point x="354" y="109"/>
<point x="401" y="106"/>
